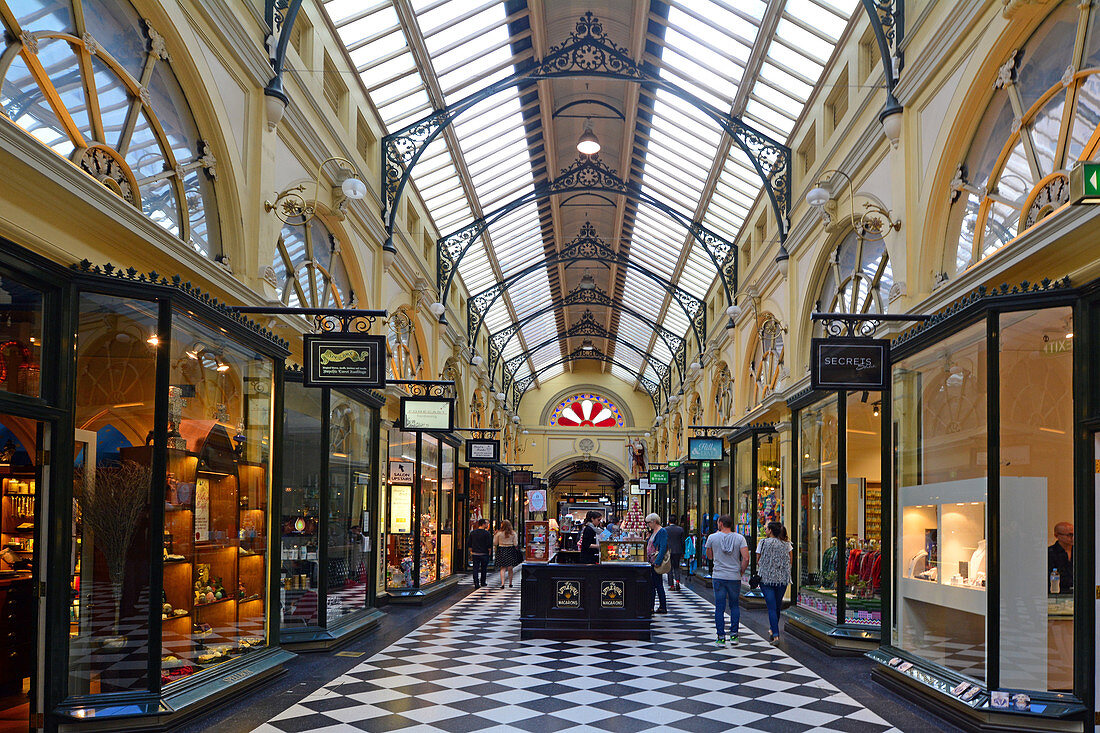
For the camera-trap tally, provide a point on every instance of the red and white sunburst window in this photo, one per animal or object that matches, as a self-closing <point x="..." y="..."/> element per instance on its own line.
<point x="587" y="410"/>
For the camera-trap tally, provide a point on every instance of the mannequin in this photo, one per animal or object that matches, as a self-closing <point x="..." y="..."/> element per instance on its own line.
<point x="917" y="564"/>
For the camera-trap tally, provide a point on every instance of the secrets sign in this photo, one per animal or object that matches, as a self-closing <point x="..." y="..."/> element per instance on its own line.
<point x="850" y="363"/>
<point x="345" y="360"/>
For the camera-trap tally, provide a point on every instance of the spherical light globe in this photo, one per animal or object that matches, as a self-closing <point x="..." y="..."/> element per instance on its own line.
<point x="477" y="360"/>
<point x="817" y="196"/>
<point x="353" y="188"/>
<point x="437" y="309"/>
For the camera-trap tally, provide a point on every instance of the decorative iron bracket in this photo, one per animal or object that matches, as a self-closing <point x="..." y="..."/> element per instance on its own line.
<point x="586" y="173"/>
<point x="425" y="387"/>
<point x="326" y="320"/>
<point x="888" y="23"/>
<point x="280" y="16"/>
<point x="861" y="325"/>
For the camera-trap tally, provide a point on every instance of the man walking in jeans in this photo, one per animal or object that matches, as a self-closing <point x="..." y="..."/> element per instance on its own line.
<point x="480" y="543"/>
<point x="730" y="553"/>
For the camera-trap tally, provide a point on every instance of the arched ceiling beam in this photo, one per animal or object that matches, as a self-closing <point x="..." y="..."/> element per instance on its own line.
<point x="596" y="296"/>
<point x="588" y="52"/>
<point x="586" y="326"/>
<point x="586" y="246"/>
<point x="586" y="174"/>
<point x="590" y="465"/>
<point x="520" y="386"/>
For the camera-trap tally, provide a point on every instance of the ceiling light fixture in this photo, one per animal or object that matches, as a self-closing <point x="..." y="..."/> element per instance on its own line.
<point x="587" y="345"/>
<point x="587" y="282"/>
<point x="588" y="143"/>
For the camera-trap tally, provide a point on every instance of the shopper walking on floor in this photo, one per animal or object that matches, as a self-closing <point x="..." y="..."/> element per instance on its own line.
<point x="773" y="563"/>
<point x="676" y="550"/>
<point x="507" y="544"/>
<point x="659" y="559"/>
<point x="480" y="543"/>
<point x="730" y="553"/>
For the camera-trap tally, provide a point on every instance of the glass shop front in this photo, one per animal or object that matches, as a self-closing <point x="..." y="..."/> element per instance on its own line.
<point x="757" y="489"/>
<point x="992" y="464"/>
<point x="420" y="516"/>
<point x="330" y="459"/>
<point x="839" y="563"/>
<point x="166" y="403"/>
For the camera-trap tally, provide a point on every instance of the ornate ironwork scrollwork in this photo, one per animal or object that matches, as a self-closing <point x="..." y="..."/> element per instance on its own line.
<point x="426" y="388"/>
<point x="333" y="323"/>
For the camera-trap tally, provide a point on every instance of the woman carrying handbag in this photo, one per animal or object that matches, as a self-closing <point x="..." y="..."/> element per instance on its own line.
<point x="659" y="558"/>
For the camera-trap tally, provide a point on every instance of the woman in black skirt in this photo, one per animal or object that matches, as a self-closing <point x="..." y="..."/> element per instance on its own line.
<point x="508" y="553"/>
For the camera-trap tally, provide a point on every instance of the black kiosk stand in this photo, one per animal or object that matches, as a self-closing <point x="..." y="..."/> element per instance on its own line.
<point x="563" y="599"/>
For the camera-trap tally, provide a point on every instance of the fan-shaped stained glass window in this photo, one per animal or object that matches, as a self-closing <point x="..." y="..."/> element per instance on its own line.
<point x="94" y="82"/>
<point x="1043" y="119"/>
<point x="858" y="278"/>
<point x="587" y="410"/>
<point x="309" y="268"/>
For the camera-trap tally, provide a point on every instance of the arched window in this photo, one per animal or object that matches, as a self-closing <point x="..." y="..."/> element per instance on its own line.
<point x="1042" y="120"/>
<point x="587" y="409"/>
<point x="858" y="277"/>
<point x="94" y="82"/>
<point x="309" y="268"/>
<point x="767" y="360"/>
<point x="403" y="347"/>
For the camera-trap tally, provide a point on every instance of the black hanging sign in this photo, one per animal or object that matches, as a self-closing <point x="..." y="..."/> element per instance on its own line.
<point x="345" y="360"/>
<point x="850" y="364"/>
<point x="523" y="477"/>
<point x="479" y="450"/>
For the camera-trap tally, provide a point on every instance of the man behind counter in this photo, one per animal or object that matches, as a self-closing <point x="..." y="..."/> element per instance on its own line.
<point x="1060" y="556"/>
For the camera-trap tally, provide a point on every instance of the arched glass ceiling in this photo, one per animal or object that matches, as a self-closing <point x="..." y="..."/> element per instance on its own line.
<point x="759" y="59"/>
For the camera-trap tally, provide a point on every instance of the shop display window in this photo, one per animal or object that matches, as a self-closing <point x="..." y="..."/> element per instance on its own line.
<point x="447" y="468"/>
<point x="350" y="473"/>
<point x="863" y="510"/>
<point x="216" y="511"/>
<point x="114" y="396"/>
<point x="722" y="487"/>
<point x="20" y="338"/>
<point x="1036" y="500"/>
<point x="428" y="509"/>
<point x="301" y="505"/>
<point x="820" y="552"/>
<point x="940" y="458"/>
<point x="691" y="488"/>
<point x="399" y="510"/>
<point x="478" y="496"/>
<point x="742" y="483"/>
<point x="769" y="498"/>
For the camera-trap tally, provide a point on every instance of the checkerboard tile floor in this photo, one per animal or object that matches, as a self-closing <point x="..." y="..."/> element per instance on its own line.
<point x="467" y="670"/>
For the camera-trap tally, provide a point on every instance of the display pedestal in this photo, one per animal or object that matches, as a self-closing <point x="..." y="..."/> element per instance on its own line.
<point x="566" y="601"/>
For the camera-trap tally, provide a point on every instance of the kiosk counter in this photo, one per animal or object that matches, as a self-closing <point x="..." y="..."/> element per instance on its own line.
<point x="564" y="599"/>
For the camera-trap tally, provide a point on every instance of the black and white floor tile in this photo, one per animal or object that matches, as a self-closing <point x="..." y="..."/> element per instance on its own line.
<point x="467" y="670"/>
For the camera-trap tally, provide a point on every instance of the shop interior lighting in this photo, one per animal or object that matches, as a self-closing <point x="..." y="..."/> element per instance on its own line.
<point x="153" y="340"/>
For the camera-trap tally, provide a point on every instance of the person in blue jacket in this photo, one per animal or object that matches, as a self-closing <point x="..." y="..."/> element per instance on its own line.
<point x="655" y="551"/>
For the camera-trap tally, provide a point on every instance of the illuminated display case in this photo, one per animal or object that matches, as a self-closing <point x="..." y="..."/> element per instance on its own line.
<point x="630" y="550"/>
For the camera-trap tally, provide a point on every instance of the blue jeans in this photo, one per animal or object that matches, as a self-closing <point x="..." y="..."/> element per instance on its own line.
<point x="773" y="596"/>
<point x="658" y="588"/>
<point x="727" y="591"/>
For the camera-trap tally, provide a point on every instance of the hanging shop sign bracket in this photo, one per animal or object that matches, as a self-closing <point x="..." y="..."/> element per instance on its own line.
<point x="848" y="358"/>
<point x="342" y="353"/>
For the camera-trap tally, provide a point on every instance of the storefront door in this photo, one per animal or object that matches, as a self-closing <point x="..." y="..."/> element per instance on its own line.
<point x="22" y="484"/>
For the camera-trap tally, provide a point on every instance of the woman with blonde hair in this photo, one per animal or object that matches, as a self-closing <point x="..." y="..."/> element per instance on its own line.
<point x="506" y="543"/>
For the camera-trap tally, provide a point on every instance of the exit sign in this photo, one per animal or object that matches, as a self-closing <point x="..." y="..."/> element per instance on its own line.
<point x="1084" y="184"/>
<point x="658" y="477"/>
<point x="673" y="464"/>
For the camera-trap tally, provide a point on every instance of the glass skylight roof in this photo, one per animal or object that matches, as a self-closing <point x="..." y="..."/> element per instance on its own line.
<point x="759" y="59"/>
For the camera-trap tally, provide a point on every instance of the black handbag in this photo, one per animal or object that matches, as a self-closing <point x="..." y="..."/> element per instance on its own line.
<point x="754" y="580"/>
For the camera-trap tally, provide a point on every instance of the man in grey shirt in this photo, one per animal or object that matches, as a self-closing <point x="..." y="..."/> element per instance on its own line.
<point x="730" y="553"/>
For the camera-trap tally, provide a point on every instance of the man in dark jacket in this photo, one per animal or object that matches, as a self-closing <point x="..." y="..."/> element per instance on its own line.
<point x="480" y="543"/>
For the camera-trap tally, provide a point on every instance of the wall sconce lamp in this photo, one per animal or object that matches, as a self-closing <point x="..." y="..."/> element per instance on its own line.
<point x="868" y="226"/>
<point x="292" y="207"/>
